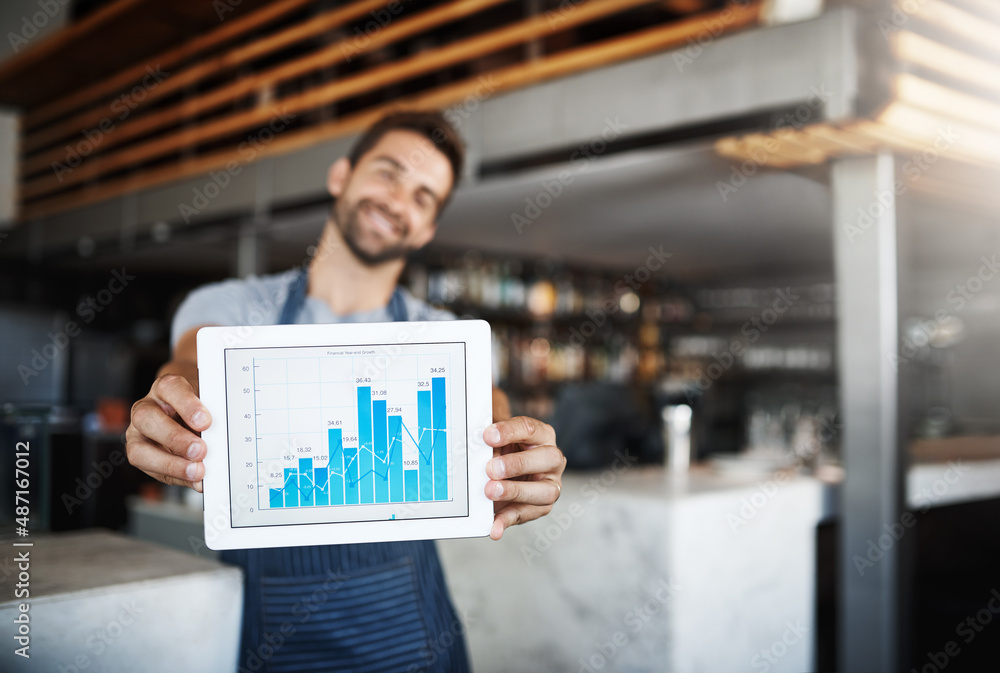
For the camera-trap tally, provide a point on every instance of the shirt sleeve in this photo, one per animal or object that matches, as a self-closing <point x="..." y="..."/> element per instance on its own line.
<point x="221" y="303"/>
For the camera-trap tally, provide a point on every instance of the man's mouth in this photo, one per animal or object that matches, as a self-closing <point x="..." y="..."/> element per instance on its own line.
<point x="383" y="223"/>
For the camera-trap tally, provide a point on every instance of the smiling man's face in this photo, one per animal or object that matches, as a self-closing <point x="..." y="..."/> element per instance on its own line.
<point x="387" y="205"/>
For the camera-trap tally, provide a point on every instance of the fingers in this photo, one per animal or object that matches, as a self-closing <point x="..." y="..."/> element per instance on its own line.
<point x="180" y="395"/>
<point x="196" y="485"/>
<point x="158" y="463"/>
<point x="513" y="514"/>
<point x="157" y="441"/>
<point x="149" y="421"/>
<point x="538" y="460"/>
<point x="541" y="492"/>
<point x="521" y="429"/>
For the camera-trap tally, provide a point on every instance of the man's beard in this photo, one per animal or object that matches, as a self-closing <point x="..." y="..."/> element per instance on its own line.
<point x="350" y="231"/>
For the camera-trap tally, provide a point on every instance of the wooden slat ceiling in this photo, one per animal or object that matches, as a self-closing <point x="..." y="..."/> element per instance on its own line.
<point x="122" y="32"/>
<point x="328" y="68"/>
<point x="943" y="104"/>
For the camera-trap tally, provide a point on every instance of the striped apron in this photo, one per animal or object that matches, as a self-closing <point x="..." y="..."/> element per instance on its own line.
<point x="364" y="608"/>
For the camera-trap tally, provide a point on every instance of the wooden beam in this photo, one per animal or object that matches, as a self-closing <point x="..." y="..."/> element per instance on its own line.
<point x="817" y="143"/>
<point x="946" y="102"/>
<point x="969" y="142"/>
<point x="392" y="73"/>
<point x="919" y="50"/>
<point x="910" y="123"/>
<point x="231" y="29"/>
<point x="852" y="143"/>
<point x="780" y="149"/>
<point x="790" y="148"/>
<point x="200" y="105"/>
<point x="815" y="152"/>
<point x="987" y="10"/>
<point x="888" y="137"/>
<point x="739" y="149"/>
<point x="212" y="66"/>
<point x="965" y="26"/>
<point x="823" y="142"/>
<point x="610" y="51"/>
<point x="684" y="6"/>
<point x="46" y="47"/>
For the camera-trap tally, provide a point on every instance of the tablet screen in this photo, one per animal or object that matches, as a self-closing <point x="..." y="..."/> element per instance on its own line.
<point x="324" y="434"/>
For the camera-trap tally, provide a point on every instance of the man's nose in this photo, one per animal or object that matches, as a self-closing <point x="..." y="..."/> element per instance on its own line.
<point x="395" y="202"/>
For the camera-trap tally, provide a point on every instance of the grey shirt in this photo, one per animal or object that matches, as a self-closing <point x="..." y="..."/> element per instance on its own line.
<point x="257" y="300"/>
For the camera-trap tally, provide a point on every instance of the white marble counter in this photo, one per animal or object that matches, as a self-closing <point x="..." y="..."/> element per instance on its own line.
<point x="947" y="483"/>
<point x="105" y="603"/>
<point x="635" y="571"/>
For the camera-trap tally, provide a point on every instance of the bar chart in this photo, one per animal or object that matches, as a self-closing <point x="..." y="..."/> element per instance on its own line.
<point x="359" y="428"/>
<point x="370" y="467"/>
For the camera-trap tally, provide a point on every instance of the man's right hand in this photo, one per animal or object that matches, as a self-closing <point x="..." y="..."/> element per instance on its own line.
<point x="163" y="437"/>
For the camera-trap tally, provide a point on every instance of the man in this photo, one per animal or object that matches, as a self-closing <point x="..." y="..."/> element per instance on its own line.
<point x="372" y="607"/>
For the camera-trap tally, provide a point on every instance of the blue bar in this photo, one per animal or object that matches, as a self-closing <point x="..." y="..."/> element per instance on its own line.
<point x="440" y="439"/>
<point x="322" y="486"/>
<point x="350" y="475"/>
<point x="438" y="402"/>
<point x="306" y="483"/>
<point x="426" y="475"/>
<point x="366" y="485"/>
<point x="395" y="459"/>
<point x="277" y="498"/>
<point x="336" y="467"/>
<point x="291" y="487"/>
<point x="410" y="476"/>
<point x="381" y="461"/>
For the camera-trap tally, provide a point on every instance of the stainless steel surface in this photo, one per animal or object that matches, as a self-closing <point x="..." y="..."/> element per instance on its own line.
<point x="865" y="265"/>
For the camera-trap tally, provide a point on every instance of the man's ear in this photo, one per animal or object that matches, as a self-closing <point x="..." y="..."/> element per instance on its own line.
<point x="337" y="176"/>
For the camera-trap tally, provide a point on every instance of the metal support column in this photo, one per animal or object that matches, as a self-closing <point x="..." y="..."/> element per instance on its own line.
<point x="865" y="257"/>
<point x="251" y="246"/>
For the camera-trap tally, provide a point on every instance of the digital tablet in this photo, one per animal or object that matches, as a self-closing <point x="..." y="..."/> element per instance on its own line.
<point x="360" y="432"/>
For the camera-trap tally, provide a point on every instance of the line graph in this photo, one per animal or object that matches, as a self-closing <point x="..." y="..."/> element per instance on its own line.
<point x="350" y="428"/>
<point x="337" y="483"/>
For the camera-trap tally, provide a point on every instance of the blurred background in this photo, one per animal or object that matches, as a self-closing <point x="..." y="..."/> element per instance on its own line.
<point x="742" y="255"/>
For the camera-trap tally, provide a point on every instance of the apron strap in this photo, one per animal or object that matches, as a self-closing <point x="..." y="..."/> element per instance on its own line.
<point x="296" y="299"/>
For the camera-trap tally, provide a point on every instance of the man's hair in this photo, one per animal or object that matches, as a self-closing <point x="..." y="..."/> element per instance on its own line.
<point x="430" y="124"/>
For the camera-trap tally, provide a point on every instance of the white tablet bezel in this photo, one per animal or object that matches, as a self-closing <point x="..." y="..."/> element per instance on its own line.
<point x="220" y="532"/>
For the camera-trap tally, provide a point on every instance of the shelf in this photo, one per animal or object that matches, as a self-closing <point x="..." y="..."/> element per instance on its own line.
<point x="549" y="387"/>
<point x="521" y="316"/>
<point x="955" y="448"/>
<point x="719" y="327"/>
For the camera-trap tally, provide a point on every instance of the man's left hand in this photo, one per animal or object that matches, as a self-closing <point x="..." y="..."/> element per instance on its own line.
<point x="525" y="472"/>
